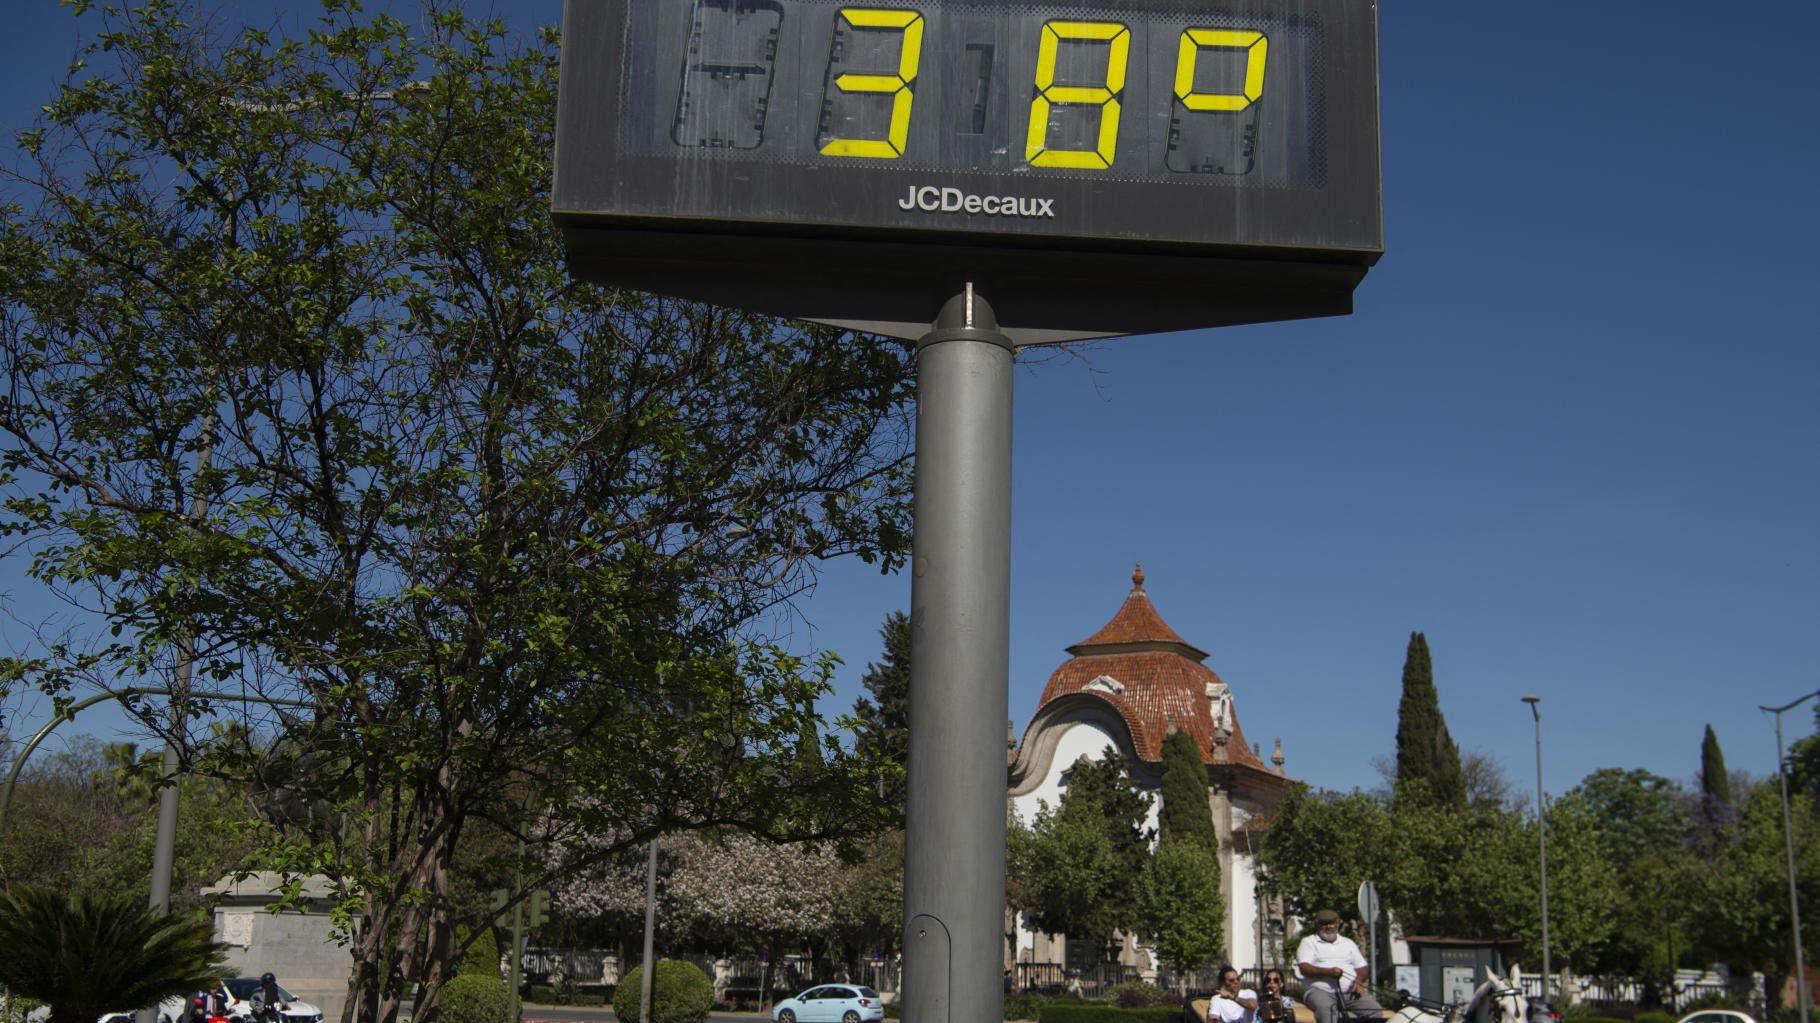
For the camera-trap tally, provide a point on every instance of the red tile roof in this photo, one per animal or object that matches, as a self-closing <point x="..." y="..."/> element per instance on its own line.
<point x="1137" y="624"/>
<point x="1161" y="681"/>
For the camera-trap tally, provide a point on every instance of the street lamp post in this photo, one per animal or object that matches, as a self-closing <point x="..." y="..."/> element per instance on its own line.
<point x="1788" y="838"/>
<point x="1535" y="709"/>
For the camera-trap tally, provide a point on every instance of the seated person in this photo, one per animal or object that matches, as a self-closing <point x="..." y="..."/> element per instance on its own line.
<point x="1233" y="1002"/>
<point x="1331" y="967"/>
<point x="1275" y="1005"/>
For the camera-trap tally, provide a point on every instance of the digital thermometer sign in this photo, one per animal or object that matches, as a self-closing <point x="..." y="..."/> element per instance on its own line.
<point x="1094" y="167"/>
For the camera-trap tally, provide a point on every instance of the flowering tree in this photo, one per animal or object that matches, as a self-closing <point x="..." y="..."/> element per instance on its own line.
<point x="723" y="890"/>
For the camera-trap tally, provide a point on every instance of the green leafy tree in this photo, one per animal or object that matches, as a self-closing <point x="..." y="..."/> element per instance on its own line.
<point x="1746" y="918"/>
<point x="1100" y="793"/>
<point x="1185" y="813"/>
<point x="295" y="372"/>
<point x="1321" y="845"/>
<point x="1639" y="813"/>
<point x="1020" y="890"/>
<point x="85" y="957"/>
<point x="1071" y="878"/>
<point x="132" y="774"/>
<point x="882" y="731"/>
<point x="1644" y="831"/>
<point x="1583" y="890"/>
<point x="74" y="827"/>
<point x="1426" y="753"/>
<point x="1179" y="901"/>
<point x="1804" y="760"/>
<point x="1457" y="871"/>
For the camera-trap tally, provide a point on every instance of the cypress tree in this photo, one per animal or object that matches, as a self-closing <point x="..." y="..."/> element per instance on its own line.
<point x="1715" y="783"/>
<point x="1426" y="753"/>
<point x="1185" y="814"/>
<point x="884" y="719"/>
<point x="1101" y="794"/>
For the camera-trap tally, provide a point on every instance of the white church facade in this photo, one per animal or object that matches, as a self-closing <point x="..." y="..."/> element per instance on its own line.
<point x="1127" y="686"/>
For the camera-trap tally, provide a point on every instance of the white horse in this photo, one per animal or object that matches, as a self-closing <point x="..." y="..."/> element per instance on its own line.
<point x="1497" y="1000"/>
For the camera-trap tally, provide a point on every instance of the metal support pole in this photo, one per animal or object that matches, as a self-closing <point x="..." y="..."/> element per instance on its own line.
<point x="515" y="971"/>
<point x="644" y="977"/>
<point x="164" y="848"/>
<point x="960" y="600"/>
<point x="1541" y="841"/>
<point x="1788" y="838"/>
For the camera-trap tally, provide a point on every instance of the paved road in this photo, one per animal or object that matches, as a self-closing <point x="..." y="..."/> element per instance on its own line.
<point x="602" y="1014"/>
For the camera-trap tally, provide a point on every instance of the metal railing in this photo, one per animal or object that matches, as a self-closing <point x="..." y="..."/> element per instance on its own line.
<point x="1057" y="979"/>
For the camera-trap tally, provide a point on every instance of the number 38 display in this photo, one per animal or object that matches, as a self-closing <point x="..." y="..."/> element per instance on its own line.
<point x="967" y="87"/>
<point x="1132" y="124"/>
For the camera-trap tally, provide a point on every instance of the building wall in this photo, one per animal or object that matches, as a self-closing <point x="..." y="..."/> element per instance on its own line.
<point x="1076" y="740"/>
<point x="295" y="945"/>
<point x="1238" y="864"/>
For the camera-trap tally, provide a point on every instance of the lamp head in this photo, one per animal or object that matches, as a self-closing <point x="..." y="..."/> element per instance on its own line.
<point x="1534" y="702"/>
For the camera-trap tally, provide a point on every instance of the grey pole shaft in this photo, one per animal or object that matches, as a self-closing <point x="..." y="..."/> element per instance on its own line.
<point x="650" y="970"/>
<point x="1542" y="845"/>
<point x="515" y="971"/>
<point x="164" y="851"/>
<point x="1794" y="901"/>
<point x="960" y="600"/>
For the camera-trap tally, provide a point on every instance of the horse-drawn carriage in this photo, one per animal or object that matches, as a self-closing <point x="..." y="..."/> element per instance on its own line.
<point x="1497" y="1000"/>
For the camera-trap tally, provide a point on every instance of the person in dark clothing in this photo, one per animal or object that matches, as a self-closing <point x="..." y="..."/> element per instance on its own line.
<point x="266" y="1000"/>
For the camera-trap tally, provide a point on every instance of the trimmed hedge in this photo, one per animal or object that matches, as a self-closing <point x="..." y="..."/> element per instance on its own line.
<point x="680" y="993"/>
<point x="592" y="994"/>
<point x="476" y="998"/>
<point x="1064" y="1012"/>
<point x="1024" y="1006"/>
<point x="1655" y="1017"/>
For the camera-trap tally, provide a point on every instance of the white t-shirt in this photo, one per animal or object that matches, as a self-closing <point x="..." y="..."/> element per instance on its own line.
<point x="1230" y="1011"/>
<point x="1342" y="952"/>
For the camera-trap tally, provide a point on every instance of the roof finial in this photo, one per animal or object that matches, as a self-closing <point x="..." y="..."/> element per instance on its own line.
<point x="1137" y="577"/>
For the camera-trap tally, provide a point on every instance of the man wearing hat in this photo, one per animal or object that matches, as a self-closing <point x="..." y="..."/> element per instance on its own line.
<point x="1332" y="970"/>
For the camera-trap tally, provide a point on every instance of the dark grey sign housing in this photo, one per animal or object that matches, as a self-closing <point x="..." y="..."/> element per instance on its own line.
<point x="1106" y="167"/>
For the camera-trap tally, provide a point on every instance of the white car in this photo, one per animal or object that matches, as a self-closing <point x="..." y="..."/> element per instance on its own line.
<point x="1717" y="1016"/>
<point x="42" y="1014"/>
<point x="831" y="1003"/>
<point x="237" y="995"/>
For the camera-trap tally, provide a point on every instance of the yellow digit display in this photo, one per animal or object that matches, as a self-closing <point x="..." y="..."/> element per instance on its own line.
<point x="898" y="86"/>
<point x="1195" y="40"/>
<point x="1106" y="96"/>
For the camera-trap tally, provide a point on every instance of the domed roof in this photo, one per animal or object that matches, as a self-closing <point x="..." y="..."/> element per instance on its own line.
<point x="1154" y="679"/>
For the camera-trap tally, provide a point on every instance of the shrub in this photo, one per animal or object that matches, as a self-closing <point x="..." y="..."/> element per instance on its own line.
<point x="482" y="956"/>
<point x="680" y="993"/>
<point x="477" y="997"/>
<point x="1024" y="1006"/>
<point x="1714" y="1000"/>
<point x="1143" y="996"/>
<point x="1090" y="1012"/>
<point x="1655" y="1017"/>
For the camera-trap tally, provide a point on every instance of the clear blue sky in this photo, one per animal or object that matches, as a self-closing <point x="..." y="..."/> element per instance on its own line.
<point x="1570" y="431"/>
